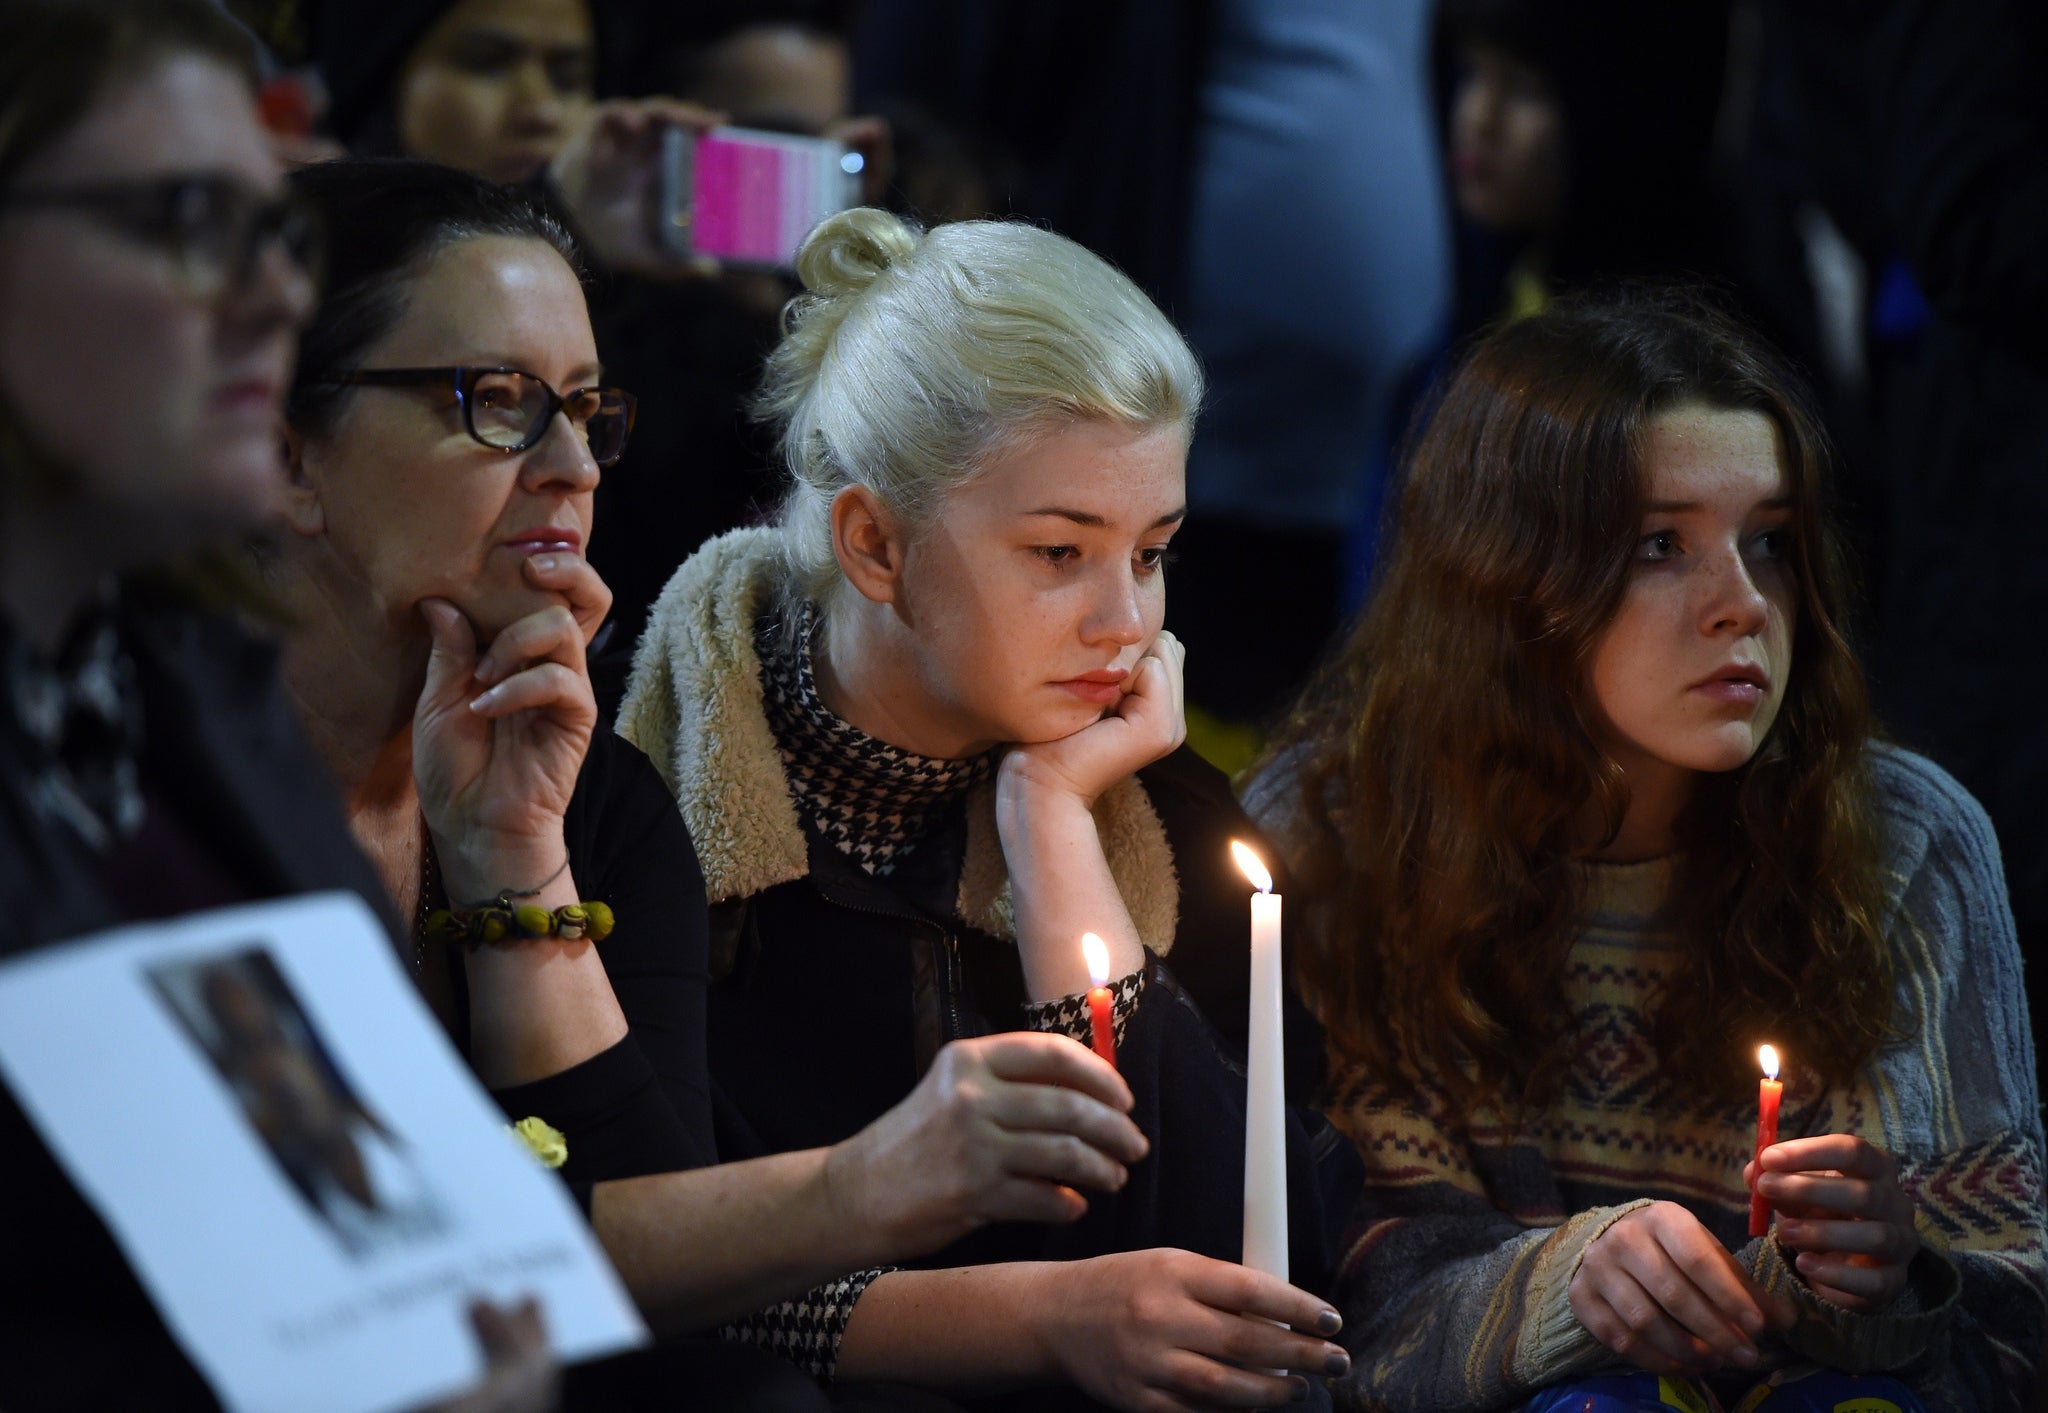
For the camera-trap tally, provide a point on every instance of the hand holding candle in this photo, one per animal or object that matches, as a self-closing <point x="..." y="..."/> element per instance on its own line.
<point x="1099" y="1015"/>
<point x="1769" y="1091"/>
<point x="1265" y="1126"/>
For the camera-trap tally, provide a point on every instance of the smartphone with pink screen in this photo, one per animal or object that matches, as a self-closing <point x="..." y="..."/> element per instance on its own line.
<point x="749" y="198"/>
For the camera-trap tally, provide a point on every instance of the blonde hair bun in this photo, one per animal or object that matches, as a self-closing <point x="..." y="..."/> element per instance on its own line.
<point x="849" y="249"/>
<point x="913" y="357"/>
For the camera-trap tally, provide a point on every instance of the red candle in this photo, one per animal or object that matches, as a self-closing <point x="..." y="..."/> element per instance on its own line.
<point x="1768" y="1092"/>
<point x="1099" y="1012"/>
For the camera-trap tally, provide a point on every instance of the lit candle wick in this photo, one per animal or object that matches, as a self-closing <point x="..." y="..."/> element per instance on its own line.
<point x="1265" y="1118"/>
<point x="1101" y="1026"/>
<point x="1768" y="1094"/>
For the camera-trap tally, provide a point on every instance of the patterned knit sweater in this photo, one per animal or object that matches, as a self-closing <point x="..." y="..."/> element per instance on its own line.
<point x="1455" y="1283"/>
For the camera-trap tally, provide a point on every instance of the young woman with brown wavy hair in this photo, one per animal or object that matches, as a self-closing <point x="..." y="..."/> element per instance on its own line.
<point x="1587" y="807"/>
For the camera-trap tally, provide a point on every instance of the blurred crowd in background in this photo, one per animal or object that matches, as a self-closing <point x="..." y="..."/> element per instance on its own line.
<point x="1330" y="197"/>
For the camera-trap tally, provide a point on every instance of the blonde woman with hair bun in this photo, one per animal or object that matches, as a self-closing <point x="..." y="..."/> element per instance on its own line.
<point x="926" y="731"/>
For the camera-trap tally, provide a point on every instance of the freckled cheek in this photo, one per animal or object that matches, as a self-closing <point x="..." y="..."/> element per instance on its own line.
<point x="1155" y="604"/>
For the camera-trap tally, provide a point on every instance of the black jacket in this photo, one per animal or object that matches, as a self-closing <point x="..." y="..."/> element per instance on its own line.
<point x="838" y="988"/>
<point x="224" y="753"/>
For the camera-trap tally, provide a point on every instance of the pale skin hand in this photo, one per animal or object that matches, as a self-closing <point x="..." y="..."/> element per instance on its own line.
<point x="520" y="1374"/>
<point x="498" y="741"/>
<point x="1841" y="1209"/>
<point x="1660" y="1291"/>
<point x="1160" y="1330"/>
<point x="1044" y="792"/>
<point x="1002" y="1128"/>
<point x="609" y="173"/>
<point x="1149" y="723"/>
<point x="1141" y="1330"/>
<point x="499" y="737"/>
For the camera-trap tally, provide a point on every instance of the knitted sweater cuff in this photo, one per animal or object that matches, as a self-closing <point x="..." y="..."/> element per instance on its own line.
<point x="1855" y="1343"/>
<point x="1553" y="1344"/>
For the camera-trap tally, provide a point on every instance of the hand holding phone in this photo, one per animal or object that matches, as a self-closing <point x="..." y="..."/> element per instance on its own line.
<point x="748" y="198"/>
<point x="612" y="176"/>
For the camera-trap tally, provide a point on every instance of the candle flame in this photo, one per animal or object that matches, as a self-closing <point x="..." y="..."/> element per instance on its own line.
<point x="1253" y="868"/>
<point x="1097" y="957"/>
<point x="1767" y="1056"/>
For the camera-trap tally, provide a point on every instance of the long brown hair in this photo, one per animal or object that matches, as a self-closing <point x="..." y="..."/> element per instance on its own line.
<point x="1446" y="756"/>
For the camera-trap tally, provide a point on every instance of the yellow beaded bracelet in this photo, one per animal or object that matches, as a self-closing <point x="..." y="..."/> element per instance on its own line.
<point x="474" y="927"/>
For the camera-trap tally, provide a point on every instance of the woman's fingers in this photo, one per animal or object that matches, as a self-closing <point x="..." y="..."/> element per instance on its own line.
<point x="1681" y="1263"/>
<point x="1043" y="1108"/>
<point x="1195" y="1381"/>
<point x="552" y="634"/>
<point x="1061" y="1158"/>
<point x="1036" y="1057"/>
<point x="573" y="577"/>
<point x="1241" y="1290"/>
<point x="1849" y="1282"/>
<point x="1851" y="1197"/>
<point x="1882" y="1241"/>
<point x="1023" y="1199"/>
<point x="1842" y="1153"/>
<point x="1843" y="1212"/>
<point x="1675" y="1317"/>
<point x="1153" y="709"/>
<point x="1157" y="678"/>
<point x="1701" y="1286"/>
<point x="1656" y="1286"/>
<point x="1255" y="1343"/>
<point x="451" y="656"/>
<point x="547" y="684"/>
<point x="1623" y="1317"/>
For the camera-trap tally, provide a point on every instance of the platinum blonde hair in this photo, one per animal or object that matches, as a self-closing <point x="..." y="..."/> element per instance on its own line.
<point x="913" y="358"/>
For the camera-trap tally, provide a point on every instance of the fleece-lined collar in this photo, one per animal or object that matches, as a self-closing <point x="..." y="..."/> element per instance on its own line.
<point x="694" y="706"/>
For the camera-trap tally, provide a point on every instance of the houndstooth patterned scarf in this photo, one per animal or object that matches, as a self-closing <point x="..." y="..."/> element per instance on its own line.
<point x="79" y="717"/>
<point x="869" y="799"/>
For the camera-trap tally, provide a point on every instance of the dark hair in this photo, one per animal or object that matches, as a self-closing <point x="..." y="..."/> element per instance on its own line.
<point x="1639" y="86"/>
<point x="61" y="56"/>
<point x="1448" y="753"/>
<point x="385" y="220"/>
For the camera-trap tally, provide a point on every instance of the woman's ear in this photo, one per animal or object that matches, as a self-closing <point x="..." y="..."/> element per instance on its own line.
<point x="868" y="542"/>
<point x="302" y="508"/>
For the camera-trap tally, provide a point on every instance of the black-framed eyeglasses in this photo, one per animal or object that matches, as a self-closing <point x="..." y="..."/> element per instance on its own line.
<point x="509" y="409"/>
<point x="213" y="228"/>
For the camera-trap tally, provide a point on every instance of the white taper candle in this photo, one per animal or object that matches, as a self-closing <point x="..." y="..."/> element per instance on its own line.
<point x="1265" y="1127"/>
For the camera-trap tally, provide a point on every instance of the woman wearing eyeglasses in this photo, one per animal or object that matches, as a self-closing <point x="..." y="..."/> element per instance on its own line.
<point x="152" y="282"/>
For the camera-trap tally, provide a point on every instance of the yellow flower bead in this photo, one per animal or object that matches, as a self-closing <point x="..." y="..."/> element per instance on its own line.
<point x="533" y="920"/>
<point x="543" y="1140"/>
<point x="600" y="920"/>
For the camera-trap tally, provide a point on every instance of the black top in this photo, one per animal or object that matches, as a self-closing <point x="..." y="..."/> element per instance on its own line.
<point x="644" y="1106"/>
<point x="230" y="781"/>
<point x="227" y="773"/>
<point x="841" y="986"/>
